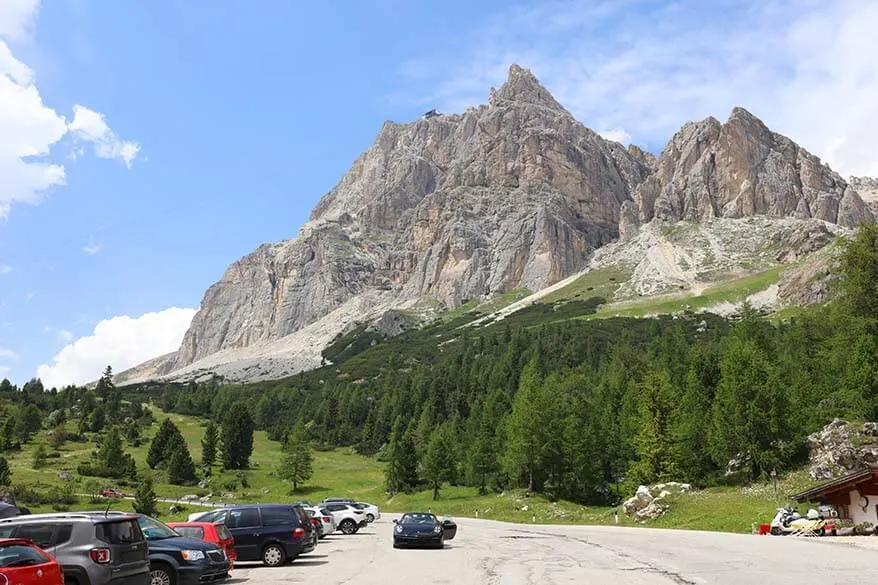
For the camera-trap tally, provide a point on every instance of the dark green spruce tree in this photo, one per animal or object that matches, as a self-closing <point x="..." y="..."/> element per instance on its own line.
<point x="237" y="437"/>
<point x="209" y="444"/>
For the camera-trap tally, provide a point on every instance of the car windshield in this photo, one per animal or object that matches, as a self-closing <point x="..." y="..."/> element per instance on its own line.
<point x="20" y="555"/>
<point x="155" y="530"/>
<point x="418" y="519"/>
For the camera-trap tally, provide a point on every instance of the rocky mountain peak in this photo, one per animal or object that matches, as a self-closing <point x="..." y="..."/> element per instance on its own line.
<point x="522" y="86"/>
<point x="738" y="169"/>
<point x="512" y="194"/>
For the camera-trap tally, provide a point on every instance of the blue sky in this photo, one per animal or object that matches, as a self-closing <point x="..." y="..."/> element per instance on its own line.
<point x="224" y="124"/>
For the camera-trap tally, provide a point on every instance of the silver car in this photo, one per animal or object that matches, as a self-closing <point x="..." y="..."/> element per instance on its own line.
<point x="92" y="549"/>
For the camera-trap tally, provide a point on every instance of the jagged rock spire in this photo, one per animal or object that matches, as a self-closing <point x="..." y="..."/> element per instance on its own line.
<point x="522" y="86"/>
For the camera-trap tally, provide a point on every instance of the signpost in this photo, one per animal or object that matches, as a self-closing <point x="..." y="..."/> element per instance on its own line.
<point x="774" y="481"/>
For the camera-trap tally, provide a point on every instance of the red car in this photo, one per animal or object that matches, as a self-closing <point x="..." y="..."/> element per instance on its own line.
<point x="215" y="532"/>
<point x="24" y="563"/>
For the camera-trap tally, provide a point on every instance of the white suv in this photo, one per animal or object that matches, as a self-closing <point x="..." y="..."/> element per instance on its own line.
<point x="348" y="518"/>
<point x="371" y="510"/>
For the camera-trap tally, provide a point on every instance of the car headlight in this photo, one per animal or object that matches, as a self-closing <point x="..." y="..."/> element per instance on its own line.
<point x="398" y="529"/>
<point x="192" y="555"/>
<point x="437" y="529"/>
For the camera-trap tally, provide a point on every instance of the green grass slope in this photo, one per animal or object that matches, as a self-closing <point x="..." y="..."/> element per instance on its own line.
<point x="342" y="473"/>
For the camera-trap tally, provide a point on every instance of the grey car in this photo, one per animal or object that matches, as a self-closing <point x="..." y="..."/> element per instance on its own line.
<point x="92" y="549"/>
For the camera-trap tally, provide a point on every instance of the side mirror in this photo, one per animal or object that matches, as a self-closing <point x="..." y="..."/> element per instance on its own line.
<point x="395" y="521"/>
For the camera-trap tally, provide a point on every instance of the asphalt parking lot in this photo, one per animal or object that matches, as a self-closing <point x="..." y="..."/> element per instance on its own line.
<point x="495" y="553"/>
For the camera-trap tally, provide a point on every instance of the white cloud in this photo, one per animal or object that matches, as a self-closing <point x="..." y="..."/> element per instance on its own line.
<point x="5" y="269"/>
<point x="16" y="18"/>
<point x="806" y="67"/>
<point x="92" y="249"/>
<point x="617" y="135"/>
<point x="29" y="129"/>
<point x="90" y="126"/>
<point x="121" y="342"/>
<point x="8" y="354"/>
<point x="65" y="336"/>
<point x="4" y="371"/>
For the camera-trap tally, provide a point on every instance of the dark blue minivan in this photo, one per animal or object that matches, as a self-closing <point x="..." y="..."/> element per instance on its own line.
<point x="273" y="533"/>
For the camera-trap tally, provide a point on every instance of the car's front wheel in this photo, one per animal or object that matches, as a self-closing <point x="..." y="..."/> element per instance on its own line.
<point x="370" y="518"/>
<point x="273" y="555"/>
<point x="349" y="527"/>
<point x="161" y="574"/>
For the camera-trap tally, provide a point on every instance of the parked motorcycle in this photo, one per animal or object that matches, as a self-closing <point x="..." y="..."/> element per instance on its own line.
<point x="789" y="521"/>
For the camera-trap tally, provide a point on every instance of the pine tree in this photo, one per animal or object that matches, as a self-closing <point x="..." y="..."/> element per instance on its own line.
<point x="209" y="444"/>
<point x="237" y="437"/>
<point x="297" y="461"/>
<point x="402" y="466"/>
<point x="28" y="421"/>
<point x="655" y="443"/>
<point x="484" y="458"/>
<point x="181" y="469"/>
<point x="527" y="426"/>
<point x="111" y="454"/>
<point x="5" y="473"/>
<point x="164" y="443"/>
<point x="145" y="500"/>
<point x="859" y="266"/>
<point x="437" y="461"/>
<point x="749" y="411"/>
<point x="39" y="457"/>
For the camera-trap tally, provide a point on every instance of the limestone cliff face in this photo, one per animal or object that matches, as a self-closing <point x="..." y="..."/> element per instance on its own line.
<point x="740" y="169"/>
<point x="514" y="193"/>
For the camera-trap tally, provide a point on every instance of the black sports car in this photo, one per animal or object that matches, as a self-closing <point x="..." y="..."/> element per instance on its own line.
<point x="422" y="529"/>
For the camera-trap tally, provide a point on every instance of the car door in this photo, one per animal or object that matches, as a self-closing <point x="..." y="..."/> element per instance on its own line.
<point x="449" y="529"/>
<point x="246" y="527"/>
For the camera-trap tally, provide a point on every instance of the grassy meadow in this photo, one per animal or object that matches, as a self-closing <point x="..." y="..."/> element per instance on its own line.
<point x="343" y="473"/>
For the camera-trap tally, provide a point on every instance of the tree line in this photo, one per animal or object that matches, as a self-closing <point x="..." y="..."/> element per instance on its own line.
<point x="586" y="409"/>
<point x="577" y="409"/>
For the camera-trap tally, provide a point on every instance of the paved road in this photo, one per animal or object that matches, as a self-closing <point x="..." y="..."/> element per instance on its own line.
<point x="494" y="553"/>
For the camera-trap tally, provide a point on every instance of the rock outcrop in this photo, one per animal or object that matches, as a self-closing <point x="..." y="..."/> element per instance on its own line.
<point x="840" y="448"/>
<point x="643" y="505"/>
<point x="514" y="193"/>
<point x="867" y="188"/>
<point x="739" y="169"/>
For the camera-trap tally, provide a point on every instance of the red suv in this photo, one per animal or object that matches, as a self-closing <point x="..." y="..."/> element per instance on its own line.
<point x="24" y="563"/>
<point x="215" y="532"/>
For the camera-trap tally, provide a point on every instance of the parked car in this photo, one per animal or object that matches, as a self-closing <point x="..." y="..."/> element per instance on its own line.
<point x="177" y="560"/>
<point x="272" y="533"/>
<point x="337" y="501"/>
<point x="326" y="521"/>
<point x="371" y="511"/>
<point x="348" y="518"/>
<point x="215" y="532"/>
<point x="111" y="493"/>
<point x="24" y="563"/>
<point x="91" y="548"/>
<point x="422" y="529"/>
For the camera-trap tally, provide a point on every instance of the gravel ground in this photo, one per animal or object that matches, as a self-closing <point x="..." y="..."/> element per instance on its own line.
<point x="495" y="553"/>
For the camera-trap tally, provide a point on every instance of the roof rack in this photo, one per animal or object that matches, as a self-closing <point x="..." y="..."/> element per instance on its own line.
<point x="63" y="515"/>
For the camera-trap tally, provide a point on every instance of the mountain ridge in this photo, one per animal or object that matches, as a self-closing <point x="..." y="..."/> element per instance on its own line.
<point x="513" y="193"/>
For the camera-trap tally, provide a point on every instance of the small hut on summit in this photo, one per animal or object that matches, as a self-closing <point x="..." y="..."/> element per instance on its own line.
<point x="855" y="496"/>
